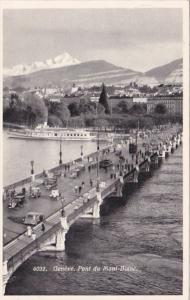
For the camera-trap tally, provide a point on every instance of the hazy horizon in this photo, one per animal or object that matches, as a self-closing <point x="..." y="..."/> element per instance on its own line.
<point x="138" y="39"/>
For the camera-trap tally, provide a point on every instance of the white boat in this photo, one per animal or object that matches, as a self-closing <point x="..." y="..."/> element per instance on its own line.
<point x="44" y="132"/>
<point x="52" y="134"/>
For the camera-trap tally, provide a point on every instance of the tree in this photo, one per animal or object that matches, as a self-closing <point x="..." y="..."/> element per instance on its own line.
<point x="61" y="111"/>
<point x="100" y="109"/>
<point x="122" y="105"/>
<point x="36" y="110"/>
<point x="160" y="108"/>
<point x="138" y="108"/>
<point x="103" y="99"/>
<point x="74" y="109"/>
<point x="54" y="121"/>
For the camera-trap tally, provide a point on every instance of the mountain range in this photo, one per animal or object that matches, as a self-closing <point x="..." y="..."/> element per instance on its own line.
<point x="64" y="70"/>
<point x="62" y="60"/>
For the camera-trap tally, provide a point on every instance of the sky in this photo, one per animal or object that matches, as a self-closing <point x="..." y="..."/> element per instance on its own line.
<point x="139" y="39"/>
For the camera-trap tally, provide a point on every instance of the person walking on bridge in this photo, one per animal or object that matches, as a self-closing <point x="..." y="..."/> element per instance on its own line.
<point x="43" y="227"/>
<point x="76" y="189"/>
<point x="80" y="188"/>
<point x="91" y="182"/>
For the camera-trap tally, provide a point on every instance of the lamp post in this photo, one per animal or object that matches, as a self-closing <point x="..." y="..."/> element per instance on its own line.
<point x="60" y="153"/>
<point x="81" y="152"/>
<point x="32" y="169"/>
<point x="98" y="153"/>
<point x="137" y="135"/>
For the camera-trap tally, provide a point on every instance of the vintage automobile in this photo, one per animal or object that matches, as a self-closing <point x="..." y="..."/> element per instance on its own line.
<point x="35" y="192"/>
<point x="105" y="163"/>
<point x="54" y="194"/>
<point x="33" y="218"/>
<point x="17" y="201"/>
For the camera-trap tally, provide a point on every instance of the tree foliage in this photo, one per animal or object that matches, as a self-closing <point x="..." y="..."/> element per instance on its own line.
<point x="104" y="99"/>
<point x="138" y="108"/>
<point x="61" y="111"/>
<point x="160" y="109"/>
<point x="74" y="109"/>
<point x="35" y="108"/>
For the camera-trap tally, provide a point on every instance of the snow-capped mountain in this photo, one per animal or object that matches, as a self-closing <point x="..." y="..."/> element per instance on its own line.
<point x="59" y="61"/>
<point x="56" y="73"/>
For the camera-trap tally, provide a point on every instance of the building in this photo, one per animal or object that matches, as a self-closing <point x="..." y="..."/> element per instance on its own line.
<point x="173" y="104"/>
<point x="139" y="100"/>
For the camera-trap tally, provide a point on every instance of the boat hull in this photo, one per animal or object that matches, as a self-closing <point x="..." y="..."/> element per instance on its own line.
<point x="56" y="138"/>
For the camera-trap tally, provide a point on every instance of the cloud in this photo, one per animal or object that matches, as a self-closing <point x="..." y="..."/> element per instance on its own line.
<point x="112" y="33"/>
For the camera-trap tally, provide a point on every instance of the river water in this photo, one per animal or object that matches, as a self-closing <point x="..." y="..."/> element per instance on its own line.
<point x="18" y="153"/>
<point x="140" y="239"/>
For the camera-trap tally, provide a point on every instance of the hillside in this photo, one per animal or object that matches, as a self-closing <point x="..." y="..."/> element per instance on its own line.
<point x="171" y="72"/>
<point x="91" y="72"/>
<point x="94" y="73"/>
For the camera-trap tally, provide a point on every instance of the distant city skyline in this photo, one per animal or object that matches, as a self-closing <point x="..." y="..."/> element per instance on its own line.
<point x="139" y="39"/>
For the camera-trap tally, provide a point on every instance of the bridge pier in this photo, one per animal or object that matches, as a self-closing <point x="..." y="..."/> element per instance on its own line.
<point x="144" y="168"/>
<point x="96" y="207"/>
<point x="154" y="160"/>
<point x="60" y="240"/>
<point x="56" y="242"/>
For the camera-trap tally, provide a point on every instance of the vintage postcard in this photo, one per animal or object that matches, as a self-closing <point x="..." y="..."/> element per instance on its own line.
<point x="95" y="148"/>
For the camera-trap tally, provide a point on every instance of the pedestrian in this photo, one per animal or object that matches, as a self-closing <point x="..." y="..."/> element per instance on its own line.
<point x="62" y="213"/>
<point x="43" y="227"/>
<point x="83" y="185"/>
<point x="89" y="168"/>
<point x="80" y="188"/>
<point x="29" y="231"/>
<point x="91" y="182"/>
<point x="76" y="189"/>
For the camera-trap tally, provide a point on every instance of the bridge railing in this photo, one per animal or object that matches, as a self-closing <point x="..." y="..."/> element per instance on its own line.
<point x="80" y="209"/>
<point x="56" y="168"/>
<point x="33" y="246"/>
<point x="112" y="185"/>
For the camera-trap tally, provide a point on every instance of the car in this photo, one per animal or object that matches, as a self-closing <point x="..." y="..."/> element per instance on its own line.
<point x="105" y="163"/>
<point x="17" y="201"/>
<point x="33" y="218"/>
<point x="35" y="192"/>
<point x="54" y="194"/>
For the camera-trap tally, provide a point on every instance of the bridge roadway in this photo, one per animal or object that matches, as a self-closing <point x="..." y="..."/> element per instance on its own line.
<point x="48" y="206"/>
<point x="22" y="246"/>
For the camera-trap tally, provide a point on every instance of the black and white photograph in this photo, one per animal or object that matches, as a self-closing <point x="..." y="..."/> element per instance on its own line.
<point x="94" y="109"/>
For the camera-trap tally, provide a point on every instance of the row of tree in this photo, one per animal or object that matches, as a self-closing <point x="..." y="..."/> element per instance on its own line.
<point x="34" y="110"/>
